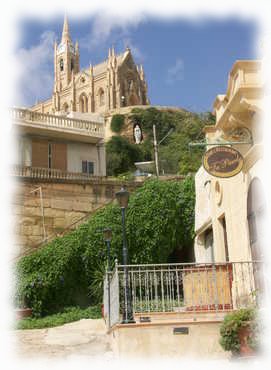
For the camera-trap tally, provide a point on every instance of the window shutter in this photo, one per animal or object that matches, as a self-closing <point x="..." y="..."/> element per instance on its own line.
<point x="91" y="168"/>
<point x="59" y="156"/>
<point x="40" y="153"/>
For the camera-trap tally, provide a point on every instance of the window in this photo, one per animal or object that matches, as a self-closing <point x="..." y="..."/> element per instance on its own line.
<point x="61" y="65"/>
<point x="83" y="103"/>
<point x="49" y="155"/>
<point x="65" y="107"/>
<point x="72" y="64"/>
<point x="88" y="167"/>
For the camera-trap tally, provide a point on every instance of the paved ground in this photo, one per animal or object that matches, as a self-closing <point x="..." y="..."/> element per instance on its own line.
<point x="84" y="337"/>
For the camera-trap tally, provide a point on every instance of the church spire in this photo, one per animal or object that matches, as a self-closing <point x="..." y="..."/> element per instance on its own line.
<point x="65" y="32"/>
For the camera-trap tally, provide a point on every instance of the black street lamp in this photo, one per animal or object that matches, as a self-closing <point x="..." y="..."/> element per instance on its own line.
<point x="107" y="238"/>
<point x="123" y="198"/>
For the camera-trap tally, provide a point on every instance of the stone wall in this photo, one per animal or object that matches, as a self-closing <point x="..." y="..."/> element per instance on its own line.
<point x="63" y="206"/>
<point x="157" y="339"/>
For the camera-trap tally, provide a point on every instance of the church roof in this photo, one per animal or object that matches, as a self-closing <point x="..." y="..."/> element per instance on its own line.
<point x="102" y="67"/>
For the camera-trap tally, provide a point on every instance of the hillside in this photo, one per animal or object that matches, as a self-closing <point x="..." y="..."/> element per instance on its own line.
<point x="175" y="156"/>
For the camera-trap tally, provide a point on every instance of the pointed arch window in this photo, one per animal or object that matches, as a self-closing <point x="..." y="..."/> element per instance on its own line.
<point x="83" y="103"/>
<point x="65" y="108"/>
<point x="101" y="97"/>
<point x="72" y="64"/>
<point x="61" y="65"/>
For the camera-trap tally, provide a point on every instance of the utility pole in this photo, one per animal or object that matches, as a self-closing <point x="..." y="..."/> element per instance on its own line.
<point x="155" y="151"/>
<point x="155" y="144"/>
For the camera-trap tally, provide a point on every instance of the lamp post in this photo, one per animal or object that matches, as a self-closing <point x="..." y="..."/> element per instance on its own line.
<point x="107" y="238"/>
<point x="123" y="198"/>
<point x="122" y="100"/>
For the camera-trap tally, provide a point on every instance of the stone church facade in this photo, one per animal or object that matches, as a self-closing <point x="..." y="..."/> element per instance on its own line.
<point x="116" y="82"/>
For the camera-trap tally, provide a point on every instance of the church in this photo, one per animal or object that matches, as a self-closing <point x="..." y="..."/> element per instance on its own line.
<point x="114" y="83"/>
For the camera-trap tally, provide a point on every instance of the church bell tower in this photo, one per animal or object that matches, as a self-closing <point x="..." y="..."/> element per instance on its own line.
<point x="66" y="59"/>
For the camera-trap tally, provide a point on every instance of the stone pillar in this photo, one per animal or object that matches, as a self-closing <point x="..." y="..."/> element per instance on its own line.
<point x="101" y="158"/>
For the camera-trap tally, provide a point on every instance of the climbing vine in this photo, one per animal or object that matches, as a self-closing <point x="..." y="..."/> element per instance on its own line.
<point x="69" y="270"/>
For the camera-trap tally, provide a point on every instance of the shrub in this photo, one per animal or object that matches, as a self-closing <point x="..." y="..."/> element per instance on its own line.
<point x="117" y="122"/>
<point x="69" y="270"/>
<point x="231" y="326"/>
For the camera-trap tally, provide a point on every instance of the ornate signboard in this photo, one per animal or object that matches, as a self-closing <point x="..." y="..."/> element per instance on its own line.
<point x="223" y="161"/>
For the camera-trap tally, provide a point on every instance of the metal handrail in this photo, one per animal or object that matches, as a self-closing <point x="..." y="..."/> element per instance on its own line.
<point x="186" y="264"/>
<point x="188" y="287"/>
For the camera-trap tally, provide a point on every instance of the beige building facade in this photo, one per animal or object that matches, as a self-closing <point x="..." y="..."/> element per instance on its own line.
<point x="58" y="146"/>
<point x="116" y="82"/>
<point x="229" y="211"/>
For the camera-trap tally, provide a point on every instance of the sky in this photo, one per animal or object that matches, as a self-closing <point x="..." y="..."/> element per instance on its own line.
<point x="186" y="63"/>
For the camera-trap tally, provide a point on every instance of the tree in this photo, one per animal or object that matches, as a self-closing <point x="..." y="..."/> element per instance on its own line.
<point x="121" y="155"/>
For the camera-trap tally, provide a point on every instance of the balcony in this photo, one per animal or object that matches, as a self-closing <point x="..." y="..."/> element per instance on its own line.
<point x="183" y="291"/>
<point x="49" y="125"/>
<point x="244" y="93"/>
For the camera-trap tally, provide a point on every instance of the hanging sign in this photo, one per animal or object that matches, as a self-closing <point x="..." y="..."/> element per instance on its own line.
<point x="223" y="161"/>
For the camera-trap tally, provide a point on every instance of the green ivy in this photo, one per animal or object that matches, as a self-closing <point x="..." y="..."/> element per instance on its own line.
<point x="117" y="122"/>
<point x="69" y="271"/>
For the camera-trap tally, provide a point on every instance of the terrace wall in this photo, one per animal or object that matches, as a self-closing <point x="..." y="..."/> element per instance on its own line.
<point x="65" y="204"/>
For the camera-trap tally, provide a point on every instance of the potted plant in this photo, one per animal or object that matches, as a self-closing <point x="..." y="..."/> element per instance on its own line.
<point x="240" y="332"/>
<point x="23" y="310"/>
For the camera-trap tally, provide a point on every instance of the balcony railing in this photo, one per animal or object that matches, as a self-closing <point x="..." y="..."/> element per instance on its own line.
<point x="183" y="288"/>
<point x="59" y="122"/>
<point x="40" y="173"/>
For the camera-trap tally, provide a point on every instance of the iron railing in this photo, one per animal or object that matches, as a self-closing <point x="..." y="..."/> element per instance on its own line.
<point x="190" y="287"/>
